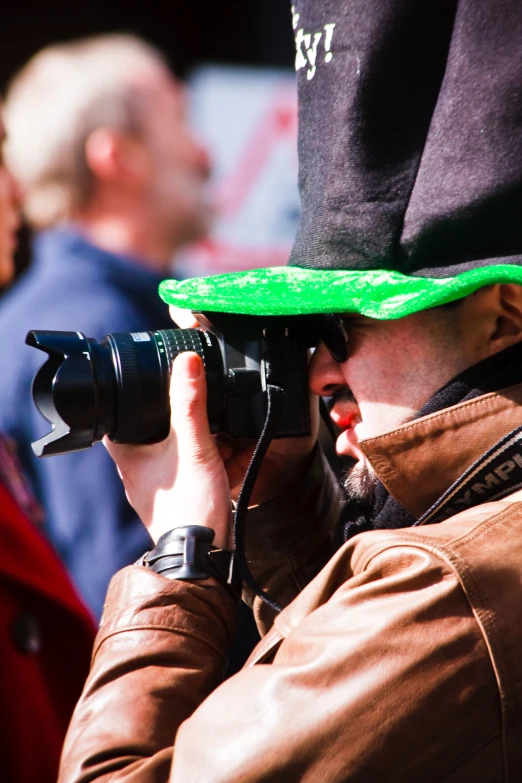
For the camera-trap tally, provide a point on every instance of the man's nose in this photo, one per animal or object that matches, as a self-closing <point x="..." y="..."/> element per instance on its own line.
<point x="15" y="189"/>
<point x="325" y="374"/>
<point x="201" y="158"/>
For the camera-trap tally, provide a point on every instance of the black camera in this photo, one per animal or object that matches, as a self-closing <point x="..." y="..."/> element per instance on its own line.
<point x="120" y="386"/>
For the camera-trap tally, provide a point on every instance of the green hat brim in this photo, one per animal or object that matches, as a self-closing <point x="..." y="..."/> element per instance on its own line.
<point x="286" y="290"/>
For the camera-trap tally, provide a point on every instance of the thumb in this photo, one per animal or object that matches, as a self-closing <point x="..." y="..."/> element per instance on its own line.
<point x="188" y="403"/>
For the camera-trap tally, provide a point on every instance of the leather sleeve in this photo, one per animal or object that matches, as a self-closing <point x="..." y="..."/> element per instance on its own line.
<point x="162" y="648"/>
<point x="395" y="651"/>
<point x="289" y="539"/>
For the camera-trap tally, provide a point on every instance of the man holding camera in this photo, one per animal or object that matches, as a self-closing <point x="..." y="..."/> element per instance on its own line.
<point x="397" y="655"/>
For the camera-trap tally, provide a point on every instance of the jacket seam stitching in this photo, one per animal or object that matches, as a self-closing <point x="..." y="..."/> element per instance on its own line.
<point x="470" y="589"/>
<point x="432" y="544"/>
<point x="149" y="627"/>
<point x="488" y="628"/>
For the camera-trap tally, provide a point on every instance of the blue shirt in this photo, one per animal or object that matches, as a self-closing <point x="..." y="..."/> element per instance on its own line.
<point x="74" y="286"/>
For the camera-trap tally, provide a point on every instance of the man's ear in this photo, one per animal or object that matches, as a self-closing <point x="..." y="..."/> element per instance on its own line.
<point x="117" y="158"/>
<point x="503" y="312"/>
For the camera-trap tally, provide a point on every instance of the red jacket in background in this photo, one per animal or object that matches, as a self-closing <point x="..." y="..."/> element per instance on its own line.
<point x="46" y="637"/>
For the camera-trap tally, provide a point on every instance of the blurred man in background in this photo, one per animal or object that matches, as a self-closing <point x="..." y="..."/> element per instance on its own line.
<point x="114" y="185"/>
<point x="46" y="633"/>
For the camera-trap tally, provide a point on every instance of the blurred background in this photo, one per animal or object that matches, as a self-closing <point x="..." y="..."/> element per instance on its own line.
<point x="237" y="59"/>
<point x="95" y="267"/>
<point x="117" y="180"/>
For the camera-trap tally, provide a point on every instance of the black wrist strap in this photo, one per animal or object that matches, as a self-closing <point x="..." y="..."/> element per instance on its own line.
<point x="231" y="568"/>
<point x="187" y="553"/>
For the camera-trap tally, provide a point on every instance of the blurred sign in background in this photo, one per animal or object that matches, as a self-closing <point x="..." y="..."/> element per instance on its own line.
<point x="248" y="120"/>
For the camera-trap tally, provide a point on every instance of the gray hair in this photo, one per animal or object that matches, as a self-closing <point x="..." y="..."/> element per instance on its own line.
<point x="54" y="103"/>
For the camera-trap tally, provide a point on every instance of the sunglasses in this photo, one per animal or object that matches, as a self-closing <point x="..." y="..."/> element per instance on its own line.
<point x="333" y="334"/>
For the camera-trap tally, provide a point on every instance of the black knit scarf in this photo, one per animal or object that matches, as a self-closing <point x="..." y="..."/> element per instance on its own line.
<point x="383" y="511"/>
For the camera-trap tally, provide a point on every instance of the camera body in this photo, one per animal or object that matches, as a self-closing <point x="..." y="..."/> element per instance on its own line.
<point x="120" y="386"/>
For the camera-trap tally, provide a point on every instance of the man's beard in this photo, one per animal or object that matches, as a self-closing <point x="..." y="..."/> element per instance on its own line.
<point x="360" y="482"/>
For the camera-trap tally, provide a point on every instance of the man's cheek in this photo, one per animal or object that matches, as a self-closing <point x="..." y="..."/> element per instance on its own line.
<point x="376" y="419"/>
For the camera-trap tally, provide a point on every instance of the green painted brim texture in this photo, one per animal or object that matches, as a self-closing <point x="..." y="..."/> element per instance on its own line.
<point x="288" y="290"/>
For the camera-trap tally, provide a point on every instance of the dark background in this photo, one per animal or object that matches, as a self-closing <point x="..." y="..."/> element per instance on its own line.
<point x="189" y="32"/>
<point x="251" y="32"/>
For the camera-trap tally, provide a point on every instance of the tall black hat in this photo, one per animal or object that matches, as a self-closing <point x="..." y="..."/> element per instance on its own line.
<point x="410" y="161"/>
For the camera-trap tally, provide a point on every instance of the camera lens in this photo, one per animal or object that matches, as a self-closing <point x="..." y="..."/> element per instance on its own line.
<point x="119" y="387"/>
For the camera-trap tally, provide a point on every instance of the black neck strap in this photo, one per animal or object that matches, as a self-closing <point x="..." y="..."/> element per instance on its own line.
<point x="496" y="474"/>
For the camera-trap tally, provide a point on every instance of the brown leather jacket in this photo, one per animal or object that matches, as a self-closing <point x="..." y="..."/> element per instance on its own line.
<point x="401" y="660"/>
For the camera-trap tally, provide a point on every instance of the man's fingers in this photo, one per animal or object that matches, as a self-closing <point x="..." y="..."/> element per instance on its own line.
<point x="115" y="449"/>
<point x="183" y="318"/>
<point x="188" y="401"/>
<point x="118" y="451"/>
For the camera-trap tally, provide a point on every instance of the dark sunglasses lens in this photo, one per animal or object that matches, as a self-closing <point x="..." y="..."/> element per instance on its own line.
<point x="334" y="337"/>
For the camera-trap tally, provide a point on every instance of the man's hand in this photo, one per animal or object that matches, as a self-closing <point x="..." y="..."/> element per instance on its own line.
<point x="182" y="480"/>
<point x="190" y="478"/>
<point x="287" y="459"/>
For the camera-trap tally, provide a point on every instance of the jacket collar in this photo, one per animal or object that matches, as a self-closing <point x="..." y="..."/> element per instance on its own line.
<point x="419" y="461"/>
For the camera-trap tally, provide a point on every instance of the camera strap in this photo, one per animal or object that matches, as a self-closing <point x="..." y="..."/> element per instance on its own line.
<point x="496" y="474"/>
<point x="275" y="396"/>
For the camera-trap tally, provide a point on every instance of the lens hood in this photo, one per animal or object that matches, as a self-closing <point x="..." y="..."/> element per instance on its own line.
<point x="64" y="392"/>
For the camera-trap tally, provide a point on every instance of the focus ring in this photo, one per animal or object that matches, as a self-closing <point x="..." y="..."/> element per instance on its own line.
<point x="129" y="388"/>
<point x="180" y="340"/>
